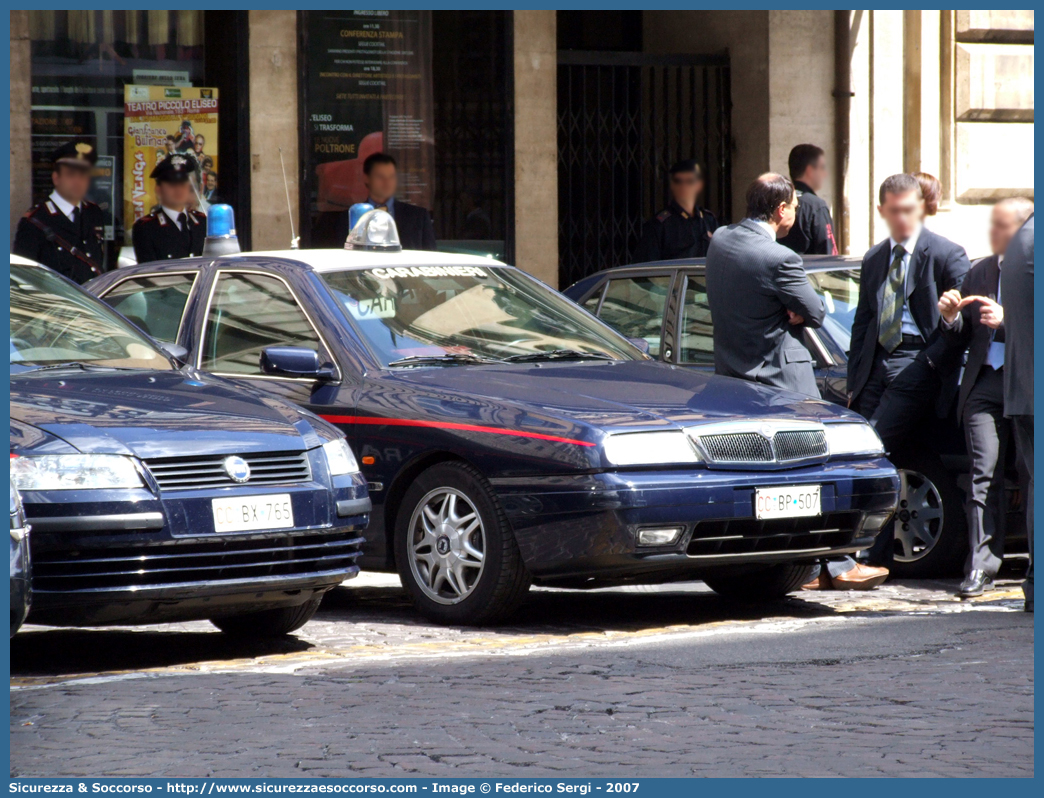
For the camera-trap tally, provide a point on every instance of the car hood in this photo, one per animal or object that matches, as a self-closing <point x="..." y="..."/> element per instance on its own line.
<point x="617" y="396"/>
<point x="155" y="414"/>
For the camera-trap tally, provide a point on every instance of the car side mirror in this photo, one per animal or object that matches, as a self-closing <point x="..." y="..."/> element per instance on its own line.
<point x="295" y="361"/>
<point x="176" y="351"/>
<point x="641" y="343"/>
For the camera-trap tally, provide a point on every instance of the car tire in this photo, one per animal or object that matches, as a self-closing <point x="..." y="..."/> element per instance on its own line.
<point x="768" y="584"/>
<point x="447" y="518"/>
<point x="268" y="623"/>
<point x="927" y="480"/>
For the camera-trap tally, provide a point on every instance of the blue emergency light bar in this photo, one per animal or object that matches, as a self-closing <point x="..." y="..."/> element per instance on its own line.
<point x="221" y="231"/>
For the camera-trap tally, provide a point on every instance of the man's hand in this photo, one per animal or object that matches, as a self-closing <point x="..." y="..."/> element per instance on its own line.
<point x="950" y="305"/>
<point x="795" y="318"/>
<point x="991" y="314"/>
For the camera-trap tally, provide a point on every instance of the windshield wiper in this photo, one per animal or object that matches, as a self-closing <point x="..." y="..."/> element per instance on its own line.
<point x="75" y="364"/>
<point x="558" y="354"/>
<point x="434" y="360"/>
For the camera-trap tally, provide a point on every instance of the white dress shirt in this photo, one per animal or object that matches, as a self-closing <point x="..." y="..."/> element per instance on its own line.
<point x="909" y="325"/>
<point x="63" y="205"/>
<point x="173" y="215"/>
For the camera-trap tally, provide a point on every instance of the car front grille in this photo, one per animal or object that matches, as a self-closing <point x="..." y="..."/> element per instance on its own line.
<point x="799" y="445"/>
<point x="726" y="536"/>
<point x="748" y="446"/>
<point x="208" y="471"/>
<point x="738" y="447"/>
<point x="205" y="562"/>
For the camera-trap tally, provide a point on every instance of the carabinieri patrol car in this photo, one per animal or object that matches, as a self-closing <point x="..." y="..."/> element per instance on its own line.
<point x="508" y="437"/>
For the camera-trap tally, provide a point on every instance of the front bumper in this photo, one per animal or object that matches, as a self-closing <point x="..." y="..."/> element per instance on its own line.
<point x="126" y="556"/>
<point x="582" y="530"/>
<point x="21" y="577"/>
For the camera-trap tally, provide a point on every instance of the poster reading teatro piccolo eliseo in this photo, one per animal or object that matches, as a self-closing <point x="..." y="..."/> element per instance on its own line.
<point x="161" y="121"/>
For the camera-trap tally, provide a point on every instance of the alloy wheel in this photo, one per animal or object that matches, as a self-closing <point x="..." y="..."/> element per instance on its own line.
<point x="919" y="518"/>
<point x="447" y="545"/>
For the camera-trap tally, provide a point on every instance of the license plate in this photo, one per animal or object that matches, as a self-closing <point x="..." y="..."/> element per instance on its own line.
<point x="789" y="502"/>
<point x="251" y="513"/>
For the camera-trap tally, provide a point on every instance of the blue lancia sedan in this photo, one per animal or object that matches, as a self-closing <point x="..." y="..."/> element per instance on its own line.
<point x="509" y="438"/>
<point x="157" y="493"/>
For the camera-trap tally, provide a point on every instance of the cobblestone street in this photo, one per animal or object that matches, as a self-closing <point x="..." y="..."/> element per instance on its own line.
<point x="666" y="681"/>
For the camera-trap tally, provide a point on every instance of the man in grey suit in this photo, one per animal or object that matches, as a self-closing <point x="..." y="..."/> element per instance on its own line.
<point x="976" y="322"/>
<point x="760" y="298"/>
<point x="1017" y="289"/>
<point x="759" y="294"/>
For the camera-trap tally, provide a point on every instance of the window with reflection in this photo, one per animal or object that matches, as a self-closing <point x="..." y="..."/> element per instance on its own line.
<point x="248" y="313"/>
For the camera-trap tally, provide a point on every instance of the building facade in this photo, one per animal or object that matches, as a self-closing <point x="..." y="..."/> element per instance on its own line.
<point x="538" y="136"/>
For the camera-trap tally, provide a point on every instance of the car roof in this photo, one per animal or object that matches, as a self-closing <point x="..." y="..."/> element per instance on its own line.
<point x="18" y="260"/>
<point x="329" y="260"/>
<point x="813" y="263"/>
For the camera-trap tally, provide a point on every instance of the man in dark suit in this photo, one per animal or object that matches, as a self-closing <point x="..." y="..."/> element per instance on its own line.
<point x="172" y="230"/>
<point x="976" y="323"/>
<point x="760" y="296"/>
<point x="813" y="230"/>
<point x="413" y="222"/>
<point x="760" y="299"/>
<point x="682" y="229"/>
<point x="65" y="230"/>
<point x="1017" y="289"/>
<point x="900" y="365"/>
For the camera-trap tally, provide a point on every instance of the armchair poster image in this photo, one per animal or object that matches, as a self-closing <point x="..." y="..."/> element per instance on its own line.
<point x="161" y="121"/>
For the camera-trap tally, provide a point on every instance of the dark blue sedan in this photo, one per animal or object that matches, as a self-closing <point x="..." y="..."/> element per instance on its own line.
<point x="158" y="493"/>
<point x="508" y="437"/>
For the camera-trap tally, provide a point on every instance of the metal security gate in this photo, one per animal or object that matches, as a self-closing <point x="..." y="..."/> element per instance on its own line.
<point x="623" y="119"/>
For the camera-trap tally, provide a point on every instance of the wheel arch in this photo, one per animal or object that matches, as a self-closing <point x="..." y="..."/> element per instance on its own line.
<point x="401" y="484"/>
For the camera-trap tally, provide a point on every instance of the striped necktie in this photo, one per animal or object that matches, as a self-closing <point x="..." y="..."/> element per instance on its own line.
<point x="890" y="324"/>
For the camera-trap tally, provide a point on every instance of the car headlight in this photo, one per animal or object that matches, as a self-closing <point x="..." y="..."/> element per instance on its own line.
<point x="649" y="448"/>
<point x="74" y="472"/>
<point x="339" y="457"/>
<point x="853" y="438"/>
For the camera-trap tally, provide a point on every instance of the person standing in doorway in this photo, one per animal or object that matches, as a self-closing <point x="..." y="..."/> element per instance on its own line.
<point x="682" y="229"/>
<point x="813" y="230"/>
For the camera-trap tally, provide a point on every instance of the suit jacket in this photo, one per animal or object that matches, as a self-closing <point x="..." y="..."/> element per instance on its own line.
<point x="1017" y="293"/>
<point x="156" y="237"/>
<point x="751" y="284"/>
<point x="43" y="245"/>
<point x="936" y="266"/>
<point x="416" y="230"/>
<point x="967" y="331"/>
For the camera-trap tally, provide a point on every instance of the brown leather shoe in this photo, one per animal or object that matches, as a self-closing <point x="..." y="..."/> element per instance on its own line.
<point x="821" y="582"/>
<point x="862" y="577"/>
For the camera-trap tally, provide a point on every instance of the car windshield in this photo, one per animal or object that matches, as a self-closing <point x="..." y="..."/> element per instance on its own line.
<point x="840" y="292"/>
<point x="467" y="314"/>
<point x="53" y="323"/>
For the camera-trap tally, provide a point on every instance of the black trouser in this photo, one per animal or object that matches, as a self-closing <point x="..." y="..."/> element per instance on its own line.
<point x="900" y="394"/>
<point x="986" y="432"/>
<point x="1023" y="426"/>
